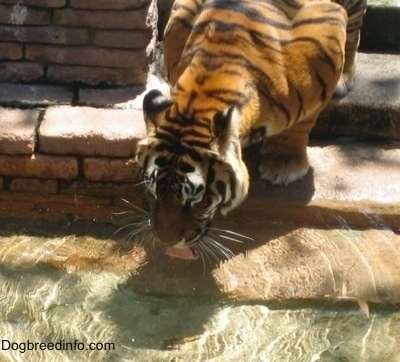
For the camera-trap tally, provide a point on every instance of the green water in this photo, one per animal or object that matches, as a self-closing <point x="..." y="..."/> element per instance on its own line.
<point x="86" y="286"/>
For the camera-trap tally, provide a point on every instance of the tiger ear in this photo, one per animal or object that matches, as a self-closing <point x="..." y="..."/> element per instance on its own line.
<point x="154" y="103"/>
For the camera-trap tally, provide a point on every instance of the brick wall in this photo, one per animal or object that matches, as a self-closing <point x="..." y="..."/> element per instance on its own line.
<point x="68" y="161"/>
<point x="93" y="42"/>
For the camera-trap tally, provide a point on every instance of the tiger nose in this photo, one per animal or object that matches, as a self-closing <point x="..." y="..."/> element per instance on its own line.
<point x="167" y="230"/>
<point x="167" y="237"/>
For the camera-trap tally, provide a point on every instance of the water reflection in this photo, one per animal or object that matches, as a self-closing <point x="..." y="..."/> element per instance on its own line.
<point x="89" y="287"/>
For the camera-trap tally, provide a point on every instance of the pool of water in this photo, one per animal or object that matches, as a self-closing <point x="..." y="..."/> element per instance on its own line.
<point x="299" y="294"/>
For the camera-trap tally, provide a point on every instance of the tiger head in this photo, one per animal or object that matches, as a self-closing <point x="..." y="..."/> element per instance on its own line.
<point x="192" y="167"/>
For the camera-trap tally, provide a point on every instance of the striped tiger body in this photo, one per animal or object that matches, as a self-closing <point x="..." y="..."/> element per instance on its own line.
<point x="240" y="70"/>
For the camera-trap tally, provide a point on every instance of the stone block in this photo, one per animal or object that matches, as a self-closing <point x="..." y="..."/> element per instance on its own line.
<point x="21" y="71"/>
<point x="10" y="51"/>
<point x="34" y="95"/>
<point x="122" y="39"/>
<point x="39" y="166"/>
<point x="96" y="76"/>
<point x="18" y="130"/>
<point x="45" y="34"/>
<point x="24" y="15"/>
<point x="89" y="56"/>
<point x="37" y="3"/>
<point x="102" y="190"/>
<point x="107" y="98"/>
<point x="112" y="170"/>
<point x="107" y="4"/>
<point x="90" y="131"/>
<point x="34" y="185"/>
<point x="103" y="19"/>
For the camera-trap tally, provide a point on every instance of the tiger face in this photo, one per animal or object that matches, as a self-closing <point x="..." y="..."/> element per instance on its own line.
<point x="190" y="172"/>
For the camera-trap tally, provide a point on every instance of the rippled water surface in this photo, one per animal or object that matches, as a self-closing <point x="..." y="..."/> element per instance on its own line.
<point x="86" y="286"/>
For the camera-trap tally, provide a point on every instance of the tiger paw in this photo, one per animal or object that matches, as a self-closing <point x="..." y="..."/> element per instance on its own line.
<point x="282" y="170"/>
<point x="343" y="87"/>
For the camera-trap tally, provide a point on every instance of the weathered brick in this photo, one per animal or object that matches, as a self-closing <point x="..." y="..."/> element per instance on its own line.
<point x="97" y="75"/>
<point x="105" y="169"/>
<point x="128" y="39"/>
<point x="104" y="19"/>
<point x="18" y="130"/>
<point x="34" y="185"/>
<point x="99" y="189"/>
<point x="24" y="15"/>
<point x="21" y="71"/>
<point x="90" y="131"/>
<point x="39" y="166"/>
<point x="34" y="95"/>
<point x="109" y="98"/>
<point x="10" y="51"/>
<point x="107" y="4"/>
<point x="87" y="56"/>
<point x="54" y="207"/>
<point x="41" y="3"/>
<point x="44" y="34"/>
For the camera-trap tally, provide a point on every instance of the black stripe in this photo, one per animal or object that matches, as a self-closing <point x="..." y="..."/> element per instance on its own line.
<point x="323" y="54"/>
<point x="226" y="96"/>
<point x="224" y="27"/>
<point x="250" y="12"/>
<point x="145" y="164"/>
<point x="221" y="188"/>
<point x="194" y="154"/>
<point x="199" y="144"/>
<point x="186" y="168"/>
<point x="192" y="132"/>
<point x="319" y="20"/>
<point x="323" y="86"/>
<point x="301" y="104"/>
<point x="232" y="184"/>
<point x="265" y="92"/>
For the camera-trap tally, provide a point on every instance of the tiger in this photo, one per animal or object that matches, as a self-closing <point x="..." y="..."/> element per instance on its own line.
<point x="240" y="71"/>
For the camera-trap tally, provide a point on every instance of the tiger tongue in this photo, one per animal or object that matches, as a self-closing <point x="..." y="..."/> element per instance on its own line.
<point x="181" y="253"/>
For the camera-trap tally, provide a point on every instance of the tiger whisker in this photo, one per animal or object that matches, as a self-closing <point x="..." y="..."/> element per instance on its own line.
<point x="231" y="239"/>
<point x="136" y="207"/>
<point x="135" y="233"/>
<point x="144" y="182"/>
<point x="214" y="246"/>
<point x="231" y="233"/>
<point x="203" y="260"/>
<point x="223" y="249"/>
<point x="144" y="223"/>
<point x="208" y="251"/>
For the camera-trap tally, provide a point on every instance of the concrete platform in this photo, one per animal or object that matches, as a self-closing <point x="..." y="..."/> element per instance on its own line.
<point x="357" y="183"/>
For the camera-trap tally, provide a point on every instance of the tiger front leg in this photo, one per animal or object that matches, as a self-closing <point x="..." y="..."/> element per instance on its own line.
<point x="284" y="156"/>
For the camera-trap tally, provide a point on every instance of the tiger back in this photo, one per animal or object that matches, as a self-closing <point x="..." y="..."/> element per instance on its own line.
<point x="240" y="71"/>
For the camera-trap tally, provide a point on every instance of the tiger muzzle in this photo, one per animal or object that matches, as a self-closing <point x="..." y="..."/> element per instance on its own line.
<point x="173" y="223"/>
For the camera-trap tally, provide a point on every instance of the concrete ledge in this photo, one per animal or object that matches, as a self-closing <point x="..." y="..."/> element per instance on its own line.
<point x="90" y="131"/>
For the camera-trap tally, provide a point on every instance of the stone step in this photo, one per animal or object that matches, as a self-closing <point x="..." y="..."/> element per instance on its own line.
<point x="349" y="185"/>
<point x="372" y="108"/>
<point x="381" y="30"/>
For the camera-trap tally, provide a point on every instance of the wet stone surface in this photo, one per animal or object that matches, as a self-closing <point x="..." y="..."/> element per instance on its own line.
<point x="295" y="292"/>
